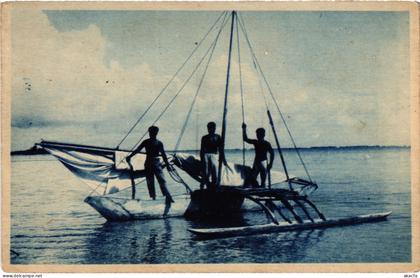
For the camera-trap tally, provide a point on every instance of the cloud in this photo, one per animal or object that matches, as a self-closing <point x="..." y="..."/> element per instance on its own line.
<point x="60" y="78"/>
<point x="67" y="75"/>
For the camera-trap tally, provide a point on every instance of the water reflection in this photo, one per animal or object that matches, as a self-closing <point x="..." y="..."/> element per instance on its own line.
<point x="130" y="242"/>
<point x="220" y="222"/>
<point x="157" y="247"/>
<point x="167" y="241"/>
<point x="262" y="248"/>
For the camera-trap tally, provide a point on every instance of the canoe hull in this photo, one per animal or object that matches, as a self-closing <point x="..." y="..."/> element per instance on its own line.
<point x="285" y="227"/>
<point x="123" y="209"/>
<point x="213" y="204"/>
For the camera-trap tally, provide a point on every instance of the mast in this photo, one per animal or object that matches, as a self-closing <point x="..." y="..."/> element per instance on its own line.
<point x="279" y="149"/>
<point x="219" y="176"/>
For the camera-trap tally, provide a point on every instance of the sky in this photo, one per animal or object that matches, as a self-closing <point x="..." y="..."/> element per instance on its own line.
<point x="340" y="78"/>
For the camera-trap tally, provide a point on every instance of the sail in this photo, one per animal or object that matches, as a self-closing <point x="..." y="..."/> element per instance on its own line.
<point x="106" y="169"/>
<point x="232" y="175"/>
<point x="100" y="168"/>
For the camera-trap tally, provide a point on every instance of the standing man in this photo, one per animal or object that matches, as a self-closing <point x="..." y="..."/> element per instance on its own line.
<point x="152" y="166"/>
<point x="211" y="146"/>
<point x="262" y="147"/>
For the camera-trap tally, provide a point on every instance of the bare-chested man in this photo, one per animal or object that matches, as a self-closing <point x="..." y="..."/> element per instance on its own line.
<point x="211" y="150"/>
<point x="262" y="147"/>
<point x="154" y="149"/>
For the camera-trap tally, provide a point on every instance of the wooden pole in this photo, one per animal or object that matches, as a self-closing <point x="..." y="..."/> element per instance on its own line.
<point x="269" y="177"/>
<point x="133" y="184"/>
<point x="279" y="149"/>
<point x="219" y="176"/>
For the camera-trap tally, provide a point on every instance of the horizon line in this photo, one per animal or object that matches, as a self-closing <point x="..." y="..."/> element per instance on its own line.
<point x="314" y="147"/>
<point x="249" y="149"/>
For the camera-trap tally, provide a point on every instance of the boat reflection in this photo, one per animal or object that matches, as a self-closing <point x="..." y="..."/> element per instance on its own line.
<point x="168" y="241"/>
<point x="130" y="242"/>
<point x="263" y="248"/>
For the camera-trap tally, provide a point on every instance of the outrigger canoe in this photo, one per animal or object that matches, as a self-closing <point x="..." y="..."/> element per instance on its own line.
<point x="106" y="170"/>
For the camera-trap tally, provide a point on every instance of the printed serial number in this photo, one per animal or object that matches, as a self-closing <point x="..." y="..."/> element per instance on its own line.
<point x="19" y="275"/>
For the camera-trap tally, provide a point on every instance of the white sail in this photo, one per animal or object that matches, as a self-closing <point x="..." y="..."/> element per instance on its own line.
<point x="232" y="175"/>
<point x="102" y="169"/>
<point x="107" y="171"/>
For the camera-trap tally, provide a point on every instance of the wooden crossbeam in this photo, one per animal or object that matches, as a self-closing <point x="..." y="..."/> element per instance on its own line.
<point x="269" y="196"/>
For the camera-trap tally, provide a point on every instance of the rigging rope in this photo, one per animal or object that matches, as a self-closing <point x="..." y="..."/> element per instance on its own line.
<point x="180" y="90"/>
<point x="198" y="65"/>
<point x="198" y="91"/>
<point x="256" y="63"/>
<point x="170" y="81"/>
<point x="177" y="178"/>
<point x="241" y="87"/>
<point x="224" y="15"/>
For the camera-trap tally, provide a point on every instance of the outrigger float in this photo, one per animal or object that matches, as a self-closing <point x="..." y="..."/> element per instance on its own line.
<point x="288" y="227"/>
<point x="237" y="191"/>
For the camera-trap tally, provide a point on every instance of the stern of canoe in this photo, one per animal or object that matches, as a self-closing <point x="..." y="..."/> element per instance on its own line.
<point x="124" y="209"/>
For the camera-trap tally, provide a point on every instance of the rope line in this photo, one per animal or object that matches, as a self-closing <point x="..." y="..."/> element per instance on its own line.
<point x="180" y="90"/>
<point x="177" y="178"/>
<point x="241" y="88"/>
<point x="170" y="81"/>
<point x="242" y="24"/>
<point x="198" y="65"/>
<point x="173" y="77"/>
<point x="197" y="92"/>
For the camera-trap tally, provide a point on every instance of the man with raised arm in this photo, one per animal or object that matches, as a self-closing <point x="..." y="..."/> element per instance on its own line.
<point x="211" y="148"/>
<point x="262" y="147"/>
<point x="152" y="166"/>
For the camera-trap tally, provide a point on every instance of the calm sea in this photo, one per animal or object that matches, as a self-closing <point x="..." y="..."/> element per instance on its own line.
<point x="50" y="223"/>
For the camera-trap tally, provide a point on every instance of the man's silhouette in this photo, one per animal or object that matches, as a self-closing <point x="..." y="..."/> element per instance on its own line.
<point x="262" y="147"/>
<point x="211" y="150"/>
<point x="152" y="166"/>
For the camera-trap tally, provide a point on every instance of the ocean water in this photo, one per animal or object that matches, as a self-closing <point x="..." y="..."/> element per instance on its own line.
<point x="50" y="223"/>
